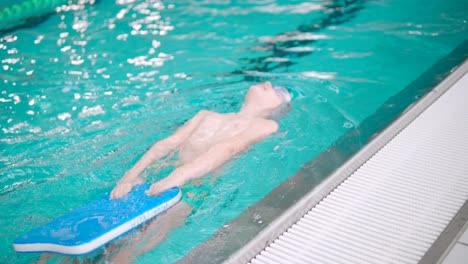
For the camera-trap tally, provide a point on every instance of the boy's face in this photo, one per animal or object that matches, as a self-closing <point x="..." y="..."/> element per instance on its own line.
<point x="263" y="96"/>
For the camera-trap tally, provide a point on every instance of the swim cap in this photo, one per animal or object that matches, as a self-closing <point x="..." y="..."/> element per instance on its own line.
<point x="283" y="94"/>
<point x="285" y="106"/>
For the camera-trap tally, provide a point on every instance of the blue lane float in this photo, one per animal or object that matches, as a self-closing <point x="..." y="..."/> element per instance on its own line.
<point x="97" y="223"/>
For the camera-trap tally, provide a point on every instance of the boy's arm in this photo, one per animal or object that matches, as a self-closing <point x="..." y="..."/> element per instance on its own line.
<point x="215" y="156"/>
<point x="157" y="151"/>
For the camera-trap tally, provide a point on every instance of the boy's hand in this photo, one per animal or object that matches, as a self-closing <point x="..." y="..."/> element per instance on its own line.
<point x="123" y="188"/>
<point x="167" y="183"/>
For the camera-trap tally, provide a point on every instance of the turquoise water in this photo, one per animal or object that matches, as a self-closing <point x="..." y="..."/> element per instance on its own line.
<point x="85" y="92"/>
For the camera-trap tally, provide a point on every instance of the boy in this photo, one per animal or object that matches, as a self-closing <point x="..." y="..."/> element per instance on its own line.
<point x="210" y="139"/>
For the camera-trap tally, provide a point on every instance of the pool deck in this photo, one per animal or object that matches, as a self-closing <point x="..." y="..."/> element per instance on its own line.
<point x="458" y="253"/>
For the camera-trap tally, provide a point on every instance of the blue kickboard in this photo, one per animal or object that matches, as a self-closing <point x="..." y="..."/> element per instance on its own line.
<point x="95" y="224"/>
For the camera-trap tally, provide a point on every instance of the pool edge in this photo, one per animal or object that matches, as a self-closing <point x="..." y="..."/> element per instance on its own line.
<point x="244" y="236"/>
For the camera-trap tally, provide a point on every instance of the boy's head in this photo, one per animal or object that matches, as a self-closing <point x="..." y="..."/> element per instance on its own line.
<point x="266" y="99"/>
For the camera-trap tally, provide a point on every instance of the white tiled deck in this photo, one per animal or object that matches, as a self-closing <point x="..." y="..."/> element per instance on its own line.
<point x="459" y="252"/>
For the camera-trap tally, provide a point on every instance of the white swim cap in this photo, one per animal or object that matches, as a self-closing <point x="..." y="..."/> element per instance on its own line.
<point x="283" y="94"/>
<point x="285" y="106"/>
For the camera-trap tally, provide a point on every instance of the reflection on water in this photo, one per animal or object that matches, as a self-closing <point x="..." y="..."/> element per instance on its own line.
<point x="84" y="92"/>
<point x="295" y="44"/>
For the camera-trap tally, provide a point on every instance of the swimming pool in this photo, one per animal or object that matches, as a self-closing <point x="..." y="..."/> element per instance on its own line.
<point x="85" y="92"/>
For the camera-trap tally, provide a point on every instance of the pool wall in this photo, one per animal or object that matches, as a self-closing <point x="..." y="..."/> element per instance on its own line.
<point x="251" y="227"/>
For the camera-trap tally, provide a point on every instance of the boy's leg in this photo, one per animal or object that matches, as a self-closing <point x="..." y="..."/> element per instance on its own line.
<point x="153" y="233"/>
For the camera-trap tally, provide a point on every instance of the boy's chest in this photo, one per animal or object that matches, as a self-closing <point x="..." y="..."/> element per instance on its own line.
<point x="210" y="132"/>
